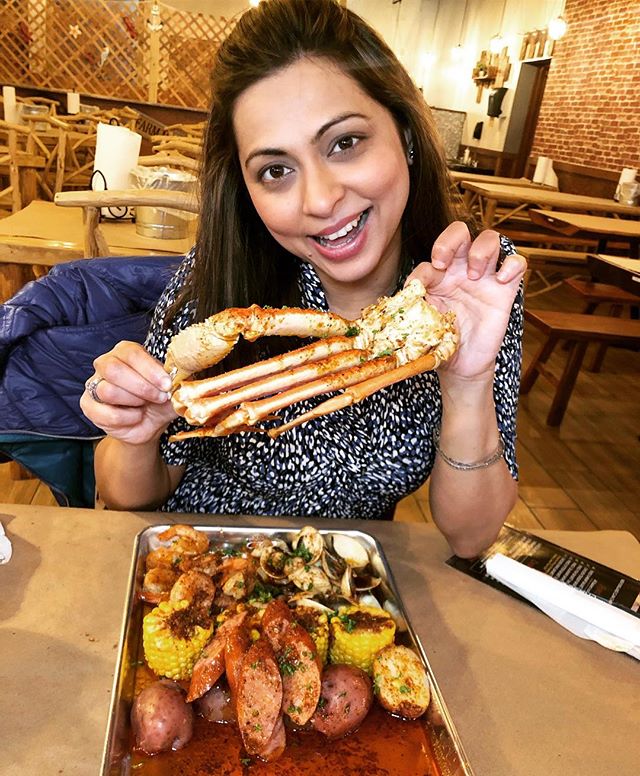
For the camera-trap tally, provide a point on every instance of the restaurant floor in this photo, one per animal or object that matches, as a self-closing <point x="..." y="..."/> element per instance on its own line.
<point x="581" y="476"/>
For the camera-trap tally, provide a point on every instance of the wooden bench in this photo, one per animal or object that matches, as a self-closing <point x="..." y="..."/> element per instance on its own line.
<point x="579" y="330"/>
<point x="595" y="294"/>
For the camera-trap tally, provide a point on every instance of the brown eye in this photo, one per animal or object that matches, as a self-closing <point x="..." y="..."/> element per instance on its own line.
<point x="275" y="172"/>
<point x="345" y="144"/>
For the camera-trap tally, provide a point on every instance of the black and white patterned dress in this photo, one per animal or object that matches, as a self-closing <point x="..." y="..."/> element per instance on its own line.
<point x="356" y="463"/>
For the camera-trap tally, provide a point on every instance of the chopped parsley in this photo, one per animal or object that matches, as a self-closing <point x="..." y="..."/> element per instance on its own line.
<point x="352" y="331"/>
<point x="294" y="709"/>
<point x="302" y="552"/>
<point x="245" y="760"/>
<point x="287" y="667"/>
<point x="385" y="352"/>
<point x="348" y="623"/>
<point x="264" y="593"/>
<point x="404" y="689"/>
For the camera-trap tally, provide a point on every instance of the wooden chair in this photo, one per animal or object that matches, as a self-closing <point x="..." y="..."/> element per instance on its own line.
<point x="19" y="167"/>
<point x="170" y="159"/>
<point x="578" y="330"/>
<point x="91" y="202"/>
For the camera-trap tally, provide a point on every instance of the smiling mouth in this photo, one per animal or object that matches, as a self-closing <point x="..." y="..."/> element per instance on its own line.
<point x="345" y="235"/>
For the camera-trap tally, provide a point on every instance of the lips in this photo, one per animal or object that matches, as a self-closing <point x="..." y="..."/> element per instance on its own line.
<point x="344" y="235"/>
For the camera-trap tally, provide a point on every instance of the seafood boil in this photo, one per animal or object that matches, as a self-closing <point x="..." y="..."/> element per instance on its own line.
<point x="394" y="339"/>
<point x="271" y="636"/>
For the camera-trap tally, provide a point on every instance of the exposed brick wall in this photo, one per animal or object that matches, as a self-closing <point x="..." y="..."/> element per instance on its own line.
<point x="590" y="112"/>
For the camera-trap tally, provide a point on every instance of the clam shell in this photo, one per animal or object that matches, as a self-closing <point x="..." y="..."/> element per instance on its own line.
<point x="350" y="550"/>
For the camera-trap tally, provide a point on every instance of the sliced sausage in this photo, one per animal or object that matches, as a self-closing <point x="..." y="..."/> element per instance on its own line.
<point x="345" y="700"/>
<point x="237" y="644"/>
<point x="275" y="746"/>
<point x="259" y="697"/>
<point x="300" y="669"/>
<point x="211" y="664"/>
<point x="275" y="621"/>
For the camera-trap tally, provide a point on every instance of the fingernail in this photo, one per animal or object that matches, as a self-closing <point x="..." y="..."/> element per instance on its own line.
<point x="473" y="274"/>
<point x="437" y="263"/>
<point x="502" y="275"/>
<point x="165" y="382"/>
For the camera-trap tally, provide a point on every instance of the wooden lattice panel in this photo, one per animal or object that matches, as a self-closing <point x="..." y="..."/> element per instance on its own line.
<point x="188" y="43"/>
<point x="110" y="48"/>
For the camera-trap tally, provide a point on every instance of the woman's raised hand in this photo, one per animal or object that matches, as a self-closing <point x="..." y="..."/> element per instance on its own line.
<point x="129" y="398"/>
<point x="463" y="276"/>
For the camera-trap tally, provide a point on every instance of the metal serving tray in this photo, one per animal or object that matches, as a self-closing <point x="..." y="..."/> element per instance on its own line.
<point x="444" y="755"/>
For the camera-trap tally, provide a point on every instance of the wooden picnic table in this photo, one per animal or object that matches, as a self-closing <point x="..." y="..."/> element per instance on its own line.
<point x="42" y="235"/>
<point x="603" y="228"/>
<point x="616" y="270"/>
<point x="488" y="195"/>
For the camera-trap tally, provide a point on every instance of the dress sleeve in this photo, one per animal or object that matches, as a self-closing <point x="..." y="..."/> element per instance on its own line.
<point x="506" y="382"/>
<point x="157" y="342"/>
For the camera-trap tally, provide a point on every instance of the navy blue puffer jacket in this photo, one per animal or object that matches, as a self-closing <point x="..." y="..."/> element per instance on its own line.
<point x="50" y="333"/>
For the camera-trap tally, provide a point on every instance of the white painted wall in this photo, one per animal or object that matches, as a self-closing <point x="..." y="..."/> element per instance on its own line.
<point x="422" y="34"/>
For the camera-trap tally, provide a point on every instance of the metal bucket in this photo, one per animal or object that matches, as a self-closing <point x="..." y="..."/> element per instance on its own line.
<point x="161" y="222"/>
<point x="35" y="110"/>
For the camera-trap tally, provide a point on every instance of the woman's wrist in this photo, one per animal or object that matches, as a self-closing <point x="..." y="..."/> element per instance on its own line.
<point x="469" y="429"/>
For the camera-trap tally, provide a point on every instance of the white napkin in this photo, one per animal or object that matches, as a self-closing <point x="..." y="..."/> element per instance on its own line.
<point x="582" y="614"/>
<point x="117" y="151"/>
<point x="6" y="550"/>
<point x="542" y="168"/>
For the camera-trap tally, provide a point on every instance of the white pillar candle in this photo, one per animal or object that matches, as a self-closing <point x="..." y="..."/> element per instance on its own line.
<point x="73" y="102"/>
<point x="10" y="107"/>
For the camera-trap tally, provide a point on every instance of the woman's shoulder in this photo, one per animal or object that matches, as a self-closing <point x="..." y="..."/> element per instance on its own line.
<point x="167" y="322"/>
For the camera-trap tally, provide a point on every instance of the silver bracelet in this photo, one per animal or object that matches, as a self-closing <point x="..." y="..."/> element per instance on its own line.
<point x="466" y="467"/>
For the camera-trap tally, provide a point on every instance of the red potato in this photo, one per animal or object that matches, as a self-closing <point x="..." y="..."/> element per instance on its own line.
<point x="216" y="705"/>
<point x="161" y="718"/>
<point x="345" y="699"/>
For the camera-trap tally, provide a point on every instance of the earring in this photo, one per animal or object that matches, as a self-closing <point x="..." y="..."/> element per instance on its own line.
<point x="410" y="154"/>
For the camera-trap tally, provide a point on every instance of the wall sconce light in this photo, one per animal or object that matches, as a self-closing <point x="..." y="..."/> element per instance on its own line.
<point x="557" y="28"/>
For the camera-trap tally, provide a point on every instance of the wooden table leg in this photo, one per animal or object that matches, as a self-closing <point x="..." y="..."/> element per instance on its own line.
<point x="566" y="383"/>
<point x="12" y="278"/>
<point x="533" y="370"/>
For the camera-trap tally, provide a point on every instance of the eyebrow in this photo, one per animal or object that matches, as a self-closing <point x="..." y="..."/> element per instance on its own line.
<point x="324" y="128"/>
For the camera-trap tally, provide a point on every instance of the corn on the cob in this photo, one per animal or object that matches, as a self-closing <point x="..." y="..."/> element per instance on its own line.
<point x="173" y="636"/>
<point x="316" y="623"/>
<point x="358" y="633"/>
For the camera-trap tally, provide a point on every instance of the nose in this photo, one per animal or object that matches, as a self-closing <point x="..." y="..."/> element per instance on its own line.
<point x="322" y="190"/>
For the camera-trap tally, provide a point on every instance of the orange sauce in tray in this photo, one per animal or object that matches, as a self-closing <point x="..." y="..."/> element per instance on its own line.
<point x="382" y="746"/>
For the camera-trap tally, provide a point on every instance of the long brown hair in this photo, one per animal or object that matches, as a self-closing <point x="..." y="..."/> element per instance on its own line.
<point x="237" y="261"/>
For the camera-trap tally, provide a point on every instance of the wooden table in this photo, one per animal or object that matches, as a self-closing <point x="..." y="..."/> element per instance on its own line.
<point x="461" y="177"/>
<point x="524" y="197"/>
<point x="42" y="235"/>
<point x="600" y="227"/>
<point x="616" y="270"/>
<point x="527" y="697"/>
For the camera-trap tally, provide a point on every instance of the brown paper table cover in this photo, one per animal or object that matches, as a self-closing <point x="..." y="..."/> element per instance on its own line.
<point x="527" y="697"/>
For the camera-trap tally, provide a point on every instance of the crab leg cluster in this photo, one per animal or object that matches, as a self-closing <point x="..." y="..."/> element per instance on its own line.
<point x="396" y="338"/>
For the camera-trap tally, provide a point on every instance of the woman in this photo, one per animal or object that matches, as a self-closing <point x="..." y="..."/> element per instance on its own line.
<point x="323" y="185"/>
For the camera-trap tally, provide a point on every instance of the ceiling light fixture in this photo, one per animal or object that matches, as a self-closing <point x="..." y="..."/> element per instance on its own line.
<point x="497" y="42"/>
<point x="458" y="51"/>
<point x="557" y="27"/>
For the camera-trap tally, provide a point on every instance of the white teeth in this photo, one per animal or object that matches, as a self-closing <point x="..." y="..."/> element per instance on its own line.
<point x="342" y="232"/>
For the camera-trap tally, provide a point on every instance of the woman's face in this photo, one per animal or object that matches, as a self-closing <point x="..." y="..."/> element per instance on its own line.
<point x="327" y="172"/>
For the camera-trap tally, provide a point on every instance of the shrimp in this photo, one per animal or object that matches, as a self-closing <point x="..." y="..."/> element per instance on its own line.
<point x="157" y="584"/>
<point x="195" y="587"/>
<point x="199" y="538"/>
